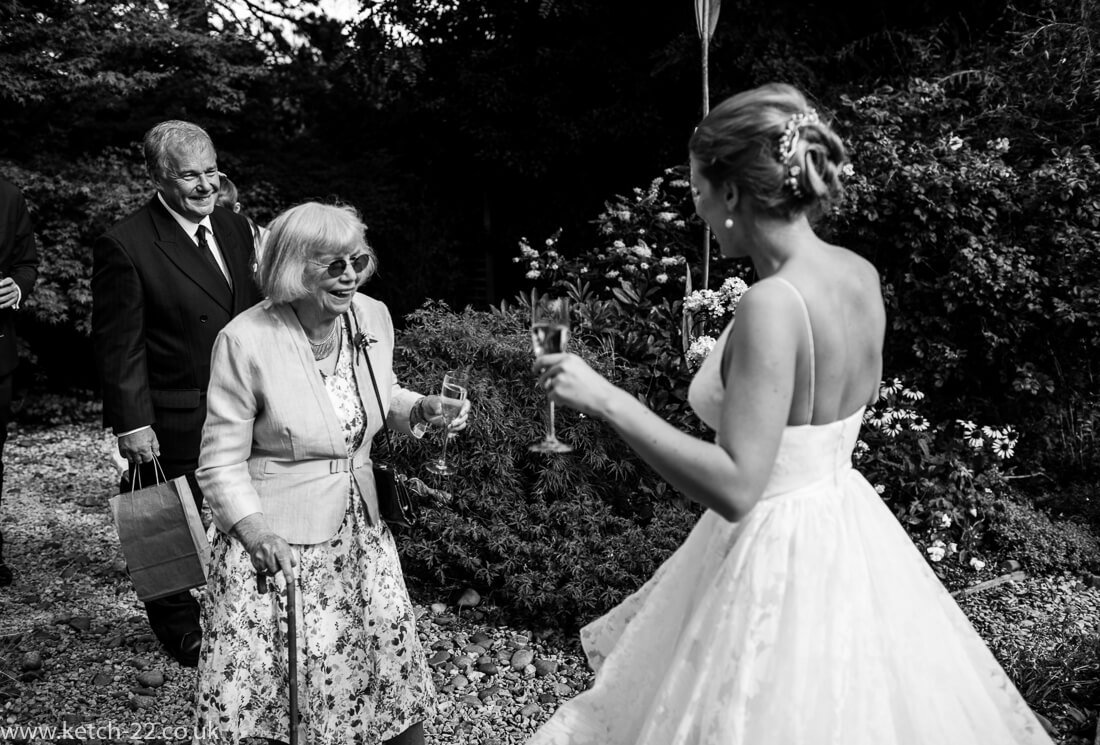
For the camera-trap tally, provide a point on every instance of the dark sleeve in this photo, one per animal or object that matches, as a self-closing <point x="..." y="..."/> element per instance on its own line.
<point x="24" y="257"/>
<point x="118" y="337"/>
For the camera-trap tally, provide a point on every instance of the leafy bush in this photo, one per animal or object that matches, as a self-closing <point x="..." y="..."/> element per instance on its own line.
<point x="558" y="538"/>
<point x="1041" y="544"/>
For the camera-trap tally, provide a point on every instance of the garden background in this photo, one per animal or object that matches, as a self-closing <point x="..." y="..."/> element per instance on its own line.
<point x="493" y="146"/>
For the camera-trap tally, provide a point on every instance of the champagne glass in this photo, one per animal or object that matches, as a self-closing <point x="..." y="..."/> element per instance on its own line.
<point x="549" y="335"/>
<point x="452" y="395"/>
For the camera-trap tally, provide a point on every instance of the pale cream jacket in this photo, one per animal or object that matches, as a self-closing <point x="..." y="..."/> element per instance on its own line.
<point x="272" y="442"/>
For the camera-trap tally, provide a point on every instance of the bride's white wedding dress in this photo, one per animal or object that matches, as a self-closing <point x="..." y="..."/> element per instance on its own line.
<point x="814" y="620"/>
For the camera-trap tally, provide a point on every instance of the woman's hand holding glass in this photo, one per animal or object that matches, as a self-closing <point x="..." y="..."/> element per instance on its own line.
<point x="449" y="410"/>
<point x="568" y="380"/>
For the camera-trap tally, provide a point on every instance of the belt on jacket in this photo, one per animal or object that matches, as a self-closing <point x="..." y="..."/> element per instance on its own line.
<point x="319" y="465"/>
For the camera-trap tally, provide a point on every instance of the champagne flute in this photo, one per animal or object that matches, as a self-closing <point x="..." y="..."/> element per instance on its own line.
<point x="549" y="335"/>
<point x="452" y="395"/>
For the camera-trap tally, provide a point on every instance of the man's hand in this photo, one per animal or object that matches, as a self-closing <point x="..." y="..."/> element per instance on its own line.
<point x="139" y="447"/>
<point x="9" y="293"/>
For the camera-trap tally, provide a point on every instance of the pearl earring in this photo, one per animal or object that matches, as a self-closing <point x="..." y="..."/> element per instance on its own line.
<point x="728" y="223"/>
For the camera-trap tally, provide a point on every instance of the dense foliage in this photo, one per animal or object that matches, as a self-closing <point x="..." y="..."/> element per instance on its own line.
<point x="544" y="535"/>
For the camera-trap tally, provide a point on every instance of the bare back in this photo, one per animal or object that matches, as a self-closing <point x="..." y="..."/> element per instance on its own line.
<point x="844" y="300"/>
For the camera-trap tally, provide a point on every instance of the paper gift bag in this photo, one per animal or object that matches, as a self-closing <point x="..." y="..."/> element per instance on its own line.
<point x="162" y="538"/>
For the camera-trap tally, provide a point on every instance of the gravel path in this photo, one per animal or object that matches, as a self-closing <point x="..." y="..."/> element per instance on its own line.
<point x="78" y="662"/>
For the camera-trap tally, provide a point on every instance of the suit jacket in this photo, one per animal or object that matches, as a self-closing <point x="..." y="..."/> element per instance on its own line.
<point x="157" y="305"/>
<point x="273" y="442"/>
<point x="18" y="260"/>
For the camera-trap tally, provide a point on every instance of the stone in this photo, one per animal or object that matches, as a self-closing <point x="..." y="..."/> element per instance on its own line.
<point x="441" y="644"/>
<point x="114" y="642"/>
<point x="143" y="703"/>
<point x="81" y="623"/>
<point x="463" y="662"/>
<point x="438" y="608"/>
<point x="30" y="661"/>
<point x="143" y="691"/>
<point x="563" y="689"/>
<point x="439" y="658"/>
<point x="69" y="572"/>
<point x="102" y="678"/>
<point x="519" y="640"/>
<point x="545" y="667"/>
<point x="489" y="693"/>
<point x="460" y="681"/>
<point x="469" y="598"/>
<point x="530" y="710"/>
<point x="521" y="659"/>
<point x="1010" y="565"/>
<point x="470" y="700"/>
<point x="151" y="678"/>
<point x="475" y="650"/>
<point x="482" y="639"/>
<point x="547" y="698"/>
<point x="487" y="668"/>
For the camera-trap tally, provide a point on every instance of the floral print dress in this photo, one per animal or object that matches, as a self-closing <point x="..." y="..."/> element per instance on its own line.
<point x="362" y="675"/>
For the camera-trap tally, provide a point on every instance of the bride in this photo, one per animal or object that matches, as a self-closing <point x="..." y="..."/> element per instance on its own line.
<point x="797" y="612"/>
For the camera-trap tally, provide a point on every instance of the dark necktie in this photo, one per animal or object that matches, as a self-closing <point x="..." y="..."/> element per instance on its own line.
<point x="204" y="247"/>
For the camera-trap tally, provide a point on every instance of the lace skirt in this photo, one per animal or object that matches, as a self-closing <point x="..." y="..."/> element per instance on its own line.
<point x="813" y="621"/>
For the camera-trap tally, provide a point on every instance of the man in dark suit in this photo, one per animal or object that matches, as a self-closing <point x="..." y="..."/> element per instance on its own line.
<point x="165" y="281"/>
<point x="19" y="270"/>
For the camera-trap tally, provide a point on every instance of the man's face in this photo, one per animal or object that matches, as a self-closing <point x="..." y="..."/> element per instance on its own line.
<point x="190" y="182"/>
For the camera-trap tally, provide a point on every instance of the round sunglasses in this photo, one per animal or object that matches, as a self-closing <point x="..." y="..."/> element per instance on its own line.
<point x="336" y="268"/>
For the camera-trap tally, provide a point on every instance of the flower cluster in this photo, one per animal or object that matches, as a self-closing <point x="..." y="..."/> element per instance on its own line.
<point x="711" y="305"/>
<point x="1001" y="442"/>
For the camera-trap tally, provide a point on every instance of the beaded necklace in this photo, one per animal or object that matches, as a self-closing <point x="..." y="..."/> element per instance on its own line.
<point x="326" y="346"/>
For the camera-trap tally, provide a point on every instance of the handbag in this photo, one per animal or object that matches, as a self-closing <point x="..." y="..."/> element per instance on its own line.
<point x="396" y="503"/>
<point x="161" y="535"/>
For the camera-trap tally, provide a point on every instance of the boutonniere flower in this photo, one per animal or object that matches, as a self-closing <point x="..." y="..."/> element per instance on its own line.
<point x="362" y="341"/>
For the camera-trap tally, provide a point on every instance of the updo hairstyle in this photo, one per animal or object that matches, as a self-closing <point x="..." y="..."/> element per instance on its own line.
<point x="773" y="146"/>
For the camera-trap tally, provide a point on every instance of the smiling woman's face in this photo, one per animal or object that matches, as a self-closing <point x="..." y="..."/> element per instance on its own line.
<point x="332" y="296"/>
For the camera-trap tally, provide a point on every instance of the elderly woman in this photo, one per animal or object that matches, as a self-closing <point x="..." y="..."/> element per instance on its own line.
<point x="286" y="469"/>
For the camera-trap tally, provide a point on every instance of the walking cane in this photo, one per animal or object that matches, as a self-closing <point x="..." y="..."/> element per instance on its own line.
<point x="292" y="658"/>
<point x="292" y="653"/>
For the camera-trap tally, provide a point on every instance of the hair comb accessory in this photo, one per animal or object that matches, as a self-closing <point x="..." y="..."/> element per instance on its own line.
<point x="787" y="142"/>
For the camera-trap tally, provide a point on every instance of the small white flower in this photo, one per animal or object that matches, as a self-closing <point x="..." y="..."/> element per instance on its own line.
<point x="918" y="423"/>
<point x="936" y="553"/>
<point x="952" y="548"/>
<point x="533" y="274"/>
<point x="967" y="425"/>
<point x="847" y="170"/>
<point x="670" y="260"/>
<point x="977" y="563"/>
<point x="973" y="511"/>
<point x="912" y="394"/>
<point x="945" y="521"/>
<point x="661" y="278"/>
<point x="642" y="251"/>
<point x="988" y="432"/>
<point x="699" y="349"/>
<point x="612" y="274"/>
<point x="644" y="265"/>
<point x="553" y="267"/>
<point x="975" y="442"/>
<point x="955" y="142"/>
<point x="619" y="244"/>
<point x="666" y="216"/>
<point x="1004" y="448"/>
<point x="880" y="489"/>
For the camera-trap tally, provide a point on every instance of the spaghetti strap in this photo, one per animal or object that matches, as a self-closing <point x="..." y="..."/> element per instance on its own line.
<point x="810" y="338"/>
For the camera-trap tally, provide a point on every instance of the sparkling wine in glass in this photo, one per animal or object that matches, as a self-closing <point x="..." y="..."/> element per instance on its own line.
<point x="549" y="335"/>
<point x="452" y="395"/>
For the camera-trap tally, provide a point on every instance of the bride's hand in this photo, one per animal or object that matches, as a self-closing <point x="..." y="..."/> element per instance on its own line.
<point x="568" y="380"/>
